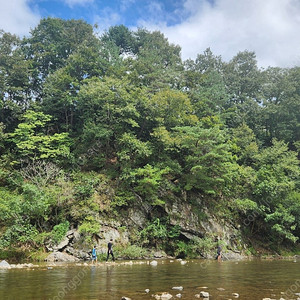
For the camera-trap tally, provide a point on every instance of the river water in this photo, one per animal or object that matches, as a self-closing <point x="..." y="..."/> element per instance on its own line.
<point x="252" y="280"/>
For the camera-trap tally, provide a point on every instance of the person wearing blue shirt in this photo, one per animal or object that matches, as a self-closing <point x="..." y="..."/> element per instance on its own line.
<point x="94" y="255"/>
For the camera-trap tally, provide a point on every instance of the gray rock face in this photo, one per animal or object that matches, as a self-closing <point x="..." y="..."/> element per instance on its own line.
<point x="192" y="225"/>
<point x="61" y="257"/>
<point x="159" y="254"/>
<point x="62" y="244"/>
<point x="80" y="254"/>
<point x="180" y="211"/>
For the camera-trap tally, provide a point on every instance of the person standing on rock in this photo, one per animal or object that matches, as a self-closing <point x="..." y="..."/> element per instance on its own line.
<point x="94" y="255"/>
<point x="109" y="250"/>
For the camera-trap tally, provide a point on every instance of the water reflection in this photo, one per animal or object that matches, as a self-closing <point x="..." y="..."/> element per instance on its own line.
<point x="250" y="279"/>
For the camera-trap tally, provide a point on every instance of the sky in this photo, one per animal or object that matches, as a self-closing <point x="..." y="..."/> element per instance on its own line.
<point x="270" y="28"/>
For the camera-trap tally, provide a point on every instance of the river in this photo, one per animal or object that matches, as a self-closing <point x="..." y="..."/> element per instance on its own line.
<point x="252" y="280"/>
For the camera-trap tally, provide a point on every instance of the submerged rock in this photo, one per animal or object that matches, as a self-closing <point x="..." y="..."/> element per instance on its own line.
<point x="163" y="296"/>
<point x="153" y="263"/>
<point x="21" y="266"/>
<point x="179" y="288"/>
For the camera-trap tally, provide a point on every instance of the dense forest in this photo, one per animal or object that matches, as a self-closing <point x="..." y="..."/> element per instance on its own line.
<point x="91" y="126"/>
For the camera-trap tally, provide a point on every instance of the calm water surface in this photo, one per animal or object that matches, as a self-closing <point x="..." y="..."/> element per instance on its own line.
<point x="252" y="280"/>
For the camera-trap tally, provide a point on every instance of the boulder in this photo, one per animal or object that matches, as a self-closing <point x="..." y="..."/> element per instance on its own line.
<point x="70" y="233"/>
<point x="61" y="257"/>
<point x="64" y="243"/>
<point x="163" y="296"/>
<point x="4" y="265"/>
<point x="204" y="294"/>
<point x="159" y="254"/>
<point x="81" y="254"/>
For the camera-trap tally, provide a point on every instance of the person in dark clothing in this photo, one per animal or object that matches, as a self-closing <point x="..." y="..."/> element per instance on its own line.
<point x="219" y="253"/>
<point x="109" y="250"/>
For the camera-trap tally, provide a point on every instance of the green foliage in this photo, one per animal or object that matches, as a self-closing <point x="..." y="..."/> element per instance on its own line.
<point x="183" y="250"/>
<point x="146" y="181"/>
<point x="210" y="163"/>
<point x="205" y="245"/>
<point x="89" y="227"/>
<point x="132" y="151"/>
<point x="246" y="205"/>
<point x="157" y="232"/>
<point x="85" y="184"/>
<point x="59" y="231"/>
<point x="33" y="143"/>
<point x="93" y="127"/>
<point x="131" y="252"/>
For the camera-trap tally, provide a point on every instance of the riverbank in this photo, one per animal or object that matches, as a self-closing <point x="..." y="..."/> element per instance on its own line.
<point x="154" y="262"/>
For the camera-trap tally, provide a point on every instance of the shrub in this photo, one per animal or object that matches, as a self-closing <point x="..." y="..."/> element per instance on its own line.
<point x="131" y="252"/>
<point x="59" y="231"/>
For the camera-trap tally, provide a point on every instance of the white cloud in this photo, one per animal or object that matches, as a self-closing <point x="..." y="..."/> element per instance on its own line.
<point x="268" y="27"/>
<point x="125" y="4"/>
<point x="106" y="19"/>
<point x="16" y="17"/>
<point x="72" y="3"/>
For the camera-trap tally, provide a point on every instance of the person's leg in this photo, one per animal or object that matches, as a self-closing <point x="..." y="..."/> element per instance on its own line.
<point x="112" y="254"/>
<point x="107" y="255"/>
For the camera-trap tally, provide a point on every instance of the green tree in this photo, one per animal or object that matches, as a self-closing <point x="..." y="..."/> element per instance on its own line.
<point x="157" y="63"/>
<point x="277" y="175"/>
<point x="51" y="43"/>
<point x="15" y="94"/>
<point x="122" y="37"/>
<point x="281" y="116"/>
<point x="205" y="84"/>
<point x="244" y="83"/>
<point x="246" y="146"/>
<point x="209" y="164"/>
<point x="33" y="142"/>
